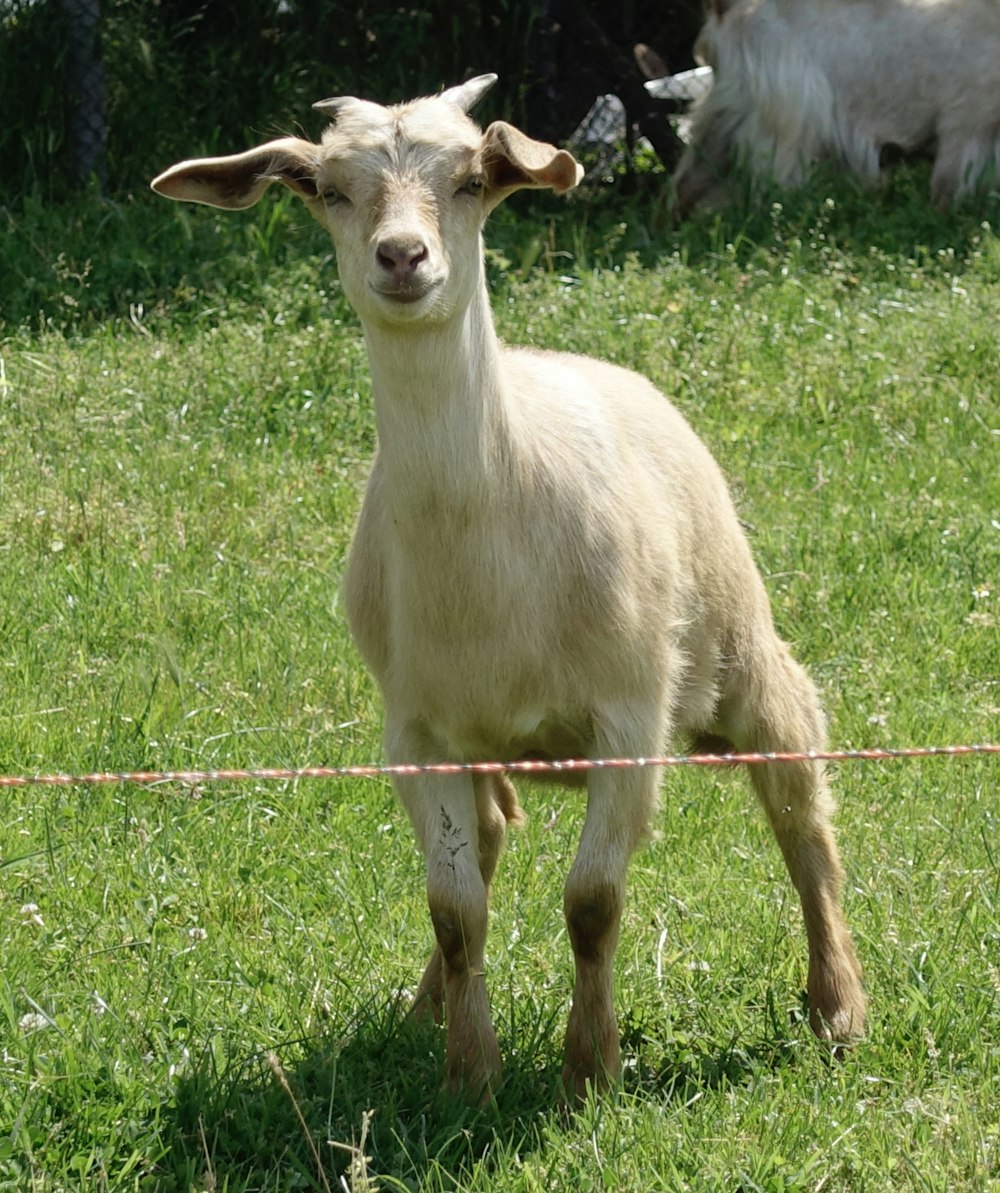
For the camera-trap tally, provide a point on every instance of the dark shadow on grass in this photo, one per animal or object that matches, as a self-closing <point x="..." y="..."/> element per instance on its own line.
<point x="267" y="1122"/>
<point x="377" y="1076"/>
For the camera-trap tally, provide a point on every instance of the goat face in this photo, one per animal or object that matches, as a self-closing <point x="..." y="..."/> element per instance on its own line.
<point x="403" y="191"/>
<point x="404" y="194"/>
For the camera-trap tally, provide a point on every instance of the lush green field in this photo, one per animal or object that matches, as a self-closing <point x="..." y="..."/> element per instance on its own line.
<point x="205" y="989"/>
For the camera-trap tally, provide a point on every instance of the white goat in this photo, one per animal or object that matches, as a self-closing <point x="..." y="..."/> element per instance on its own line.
<point x="800" y="81"/>
<point x="547" y="564"/>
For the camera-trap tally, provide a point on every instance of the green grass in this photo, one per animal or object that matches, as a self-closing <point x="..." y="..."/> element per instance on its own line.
<point x="185" y="418"/>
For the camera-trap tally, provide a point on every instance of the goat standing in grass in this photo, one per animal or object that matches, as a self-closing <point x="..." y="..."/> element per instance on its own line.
<point x="547" y="564"/>
<point x="797" y="82"/>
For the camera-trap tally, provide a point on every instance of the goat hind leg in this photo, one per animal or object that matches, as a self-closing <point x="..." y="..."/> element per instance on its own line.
<point x="966" y="161"/>
<point x="784" y="715"/>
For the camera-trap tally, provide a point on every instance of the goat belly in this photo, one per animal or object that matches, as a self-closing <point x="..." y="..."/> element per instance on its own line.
<point x="529" y="736"/>
<point x="496" y="698"/>
<point x="509" y="693"/>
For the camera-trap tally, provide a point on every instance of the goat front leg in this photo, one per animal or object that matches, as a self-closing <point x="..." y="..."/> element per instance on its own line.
<point x="619" y="806"/>
<point x="444" y="814"/>
<point x="496" y="806"/>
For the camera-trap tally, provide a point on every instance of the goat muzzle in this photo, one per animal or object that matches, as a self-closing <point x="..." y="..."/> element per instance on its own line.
<point x="401" y="257"/>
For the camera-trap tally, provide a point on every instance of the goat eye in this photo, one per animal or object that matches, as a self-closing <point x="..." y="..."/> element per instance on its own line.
<point x="330" y="195"/>
<point x="473" y="185"/>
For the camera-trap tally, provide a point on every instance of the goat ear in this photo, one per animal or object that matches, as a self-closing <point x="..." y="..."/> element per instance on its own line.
<point x="513" y="160"/>
<point x="466" y="94"/>
<point x="239" y="181"/>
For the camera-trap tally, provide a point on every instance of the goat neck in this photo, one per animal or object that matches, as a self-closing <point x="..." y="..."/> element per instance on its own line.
<point x="441" y="407"/>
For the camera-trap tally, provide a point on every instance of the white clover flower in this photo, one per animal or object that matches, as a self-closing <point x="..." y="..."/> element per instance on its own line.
<point x="33" y="1021"/>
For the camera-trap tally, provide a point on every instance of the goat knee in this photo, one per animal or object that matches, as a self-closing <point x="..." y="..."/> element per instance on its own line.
<point x="592" y="915"/>
<point x="460" y="930"/>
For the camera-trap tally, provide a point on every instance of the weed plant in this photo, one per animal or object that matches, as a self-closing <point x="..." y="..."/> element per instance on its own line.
<point x="204" y="988"/>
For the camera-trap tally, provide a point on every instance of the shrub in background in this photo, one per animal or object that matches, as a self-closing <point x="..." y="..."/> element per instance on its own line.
<point x="184" y="77"/>
<point x="190" y="76"/>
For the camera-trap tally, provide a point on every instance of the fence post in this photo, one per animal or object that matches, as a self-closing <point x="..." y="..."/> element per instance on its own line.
<point x="85" y="85"/>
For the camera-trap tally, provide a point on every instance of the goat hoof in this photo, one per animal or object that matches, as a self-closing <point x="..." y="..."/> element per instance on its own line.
<point x="842" y="1028"/>
<point x="579" y="1084"/>
<point x="476" y="1089"/>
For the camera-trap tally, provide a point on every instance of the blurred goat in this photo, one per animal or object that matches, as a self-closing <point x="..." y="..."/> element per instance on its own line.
<point x="547" y="564"/>
<point x="800" y="81"/>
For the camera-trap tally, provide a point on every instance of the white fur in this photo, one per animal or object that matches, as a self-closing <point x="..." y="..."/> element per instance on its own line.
<point x="797" y="82"/>
<point x="547" y="564"/>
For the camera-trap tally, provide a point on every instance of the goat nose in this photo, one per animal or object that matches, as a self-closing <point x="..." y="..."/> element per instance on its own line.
<point x="401" y="255"/>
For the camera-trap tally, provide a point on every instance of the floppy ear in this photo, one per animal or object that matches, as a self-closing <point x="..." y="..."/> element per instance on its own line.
<point x="239" y="180"/>
<point x="512" y="161"/>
